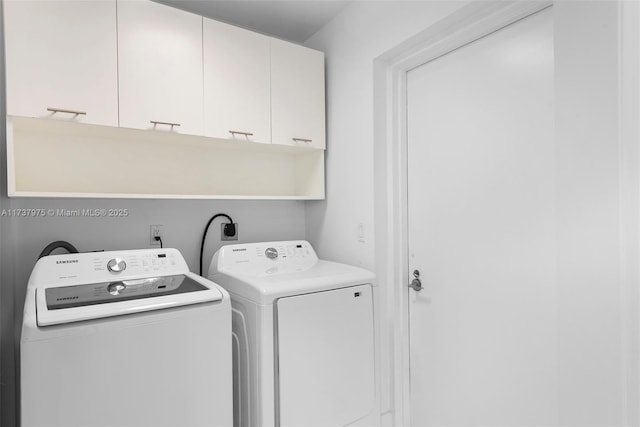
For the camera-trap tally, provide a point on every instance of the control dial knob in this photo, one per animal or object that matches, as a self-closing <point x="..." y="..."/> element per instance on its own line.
<point x="116" y="288"/>
<point x="116" y="265"/>
<point x="271" y="253"/>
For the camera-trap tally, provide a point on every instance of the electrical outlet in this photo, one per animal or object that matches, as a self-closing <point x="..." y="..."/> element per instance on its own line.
<point x="156" y="231"/>
<point x="224" y="236"/>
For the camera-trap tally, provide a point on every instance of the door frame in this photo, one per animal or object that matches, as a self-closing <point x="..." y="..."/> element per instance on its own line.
<point x="471" y="22"/>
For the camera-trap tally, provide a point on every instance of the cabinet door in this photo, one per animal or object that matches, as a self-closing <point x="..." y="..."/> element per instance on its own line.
<point x="160" y="67"/>
<point x="62" y="55"/>
<point x="236" y="83"/>
<point x="297" y="95"/>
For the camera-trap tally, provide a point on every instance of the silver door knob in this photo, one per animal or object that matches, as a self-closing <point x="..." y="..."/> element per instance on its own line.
<point x="416" y="284"/>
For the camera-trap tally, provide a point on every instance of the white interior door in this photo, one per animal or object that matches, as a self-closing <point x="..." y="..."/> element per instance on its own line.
<point x="481" y="231"/>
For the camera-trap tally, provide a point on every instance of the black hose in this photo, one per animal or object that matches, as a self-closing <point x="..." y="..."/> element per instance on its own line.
<point x="58" y="244"/>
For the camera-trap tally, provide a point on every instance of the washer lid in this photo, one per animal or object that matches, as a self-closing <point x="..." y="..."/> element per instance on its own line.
<point x="122" y="290"/>
<point x="58" y="305"/>
<point x="84" y="286"/>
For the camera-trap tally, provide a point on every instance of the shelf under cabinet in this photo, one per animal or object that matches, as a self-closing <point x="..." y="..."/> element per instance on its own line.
<point x="55" y="158"/>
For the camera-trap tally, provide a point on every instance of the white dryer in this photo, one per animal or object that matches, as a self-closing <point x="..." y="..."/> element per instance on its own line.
<point x="124" y="338"/>
<point x="304" y="336"/>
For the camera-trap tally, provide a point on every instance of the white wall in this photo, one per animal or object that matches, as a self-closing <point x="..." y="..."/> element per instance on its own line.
<point x="596" y="177"/>
<point x="351" y="42"/>
<point x="596" y="191"/>
<point x="630" y="202"/>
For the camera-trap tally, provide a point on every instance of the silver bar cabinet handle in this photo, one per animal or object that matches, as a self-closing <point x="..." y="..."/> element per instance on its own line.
<point x="64" y="110"/>
<point x="155" y="123"/>
<point x="302" y="140"/>
<point x="234" y="132"/>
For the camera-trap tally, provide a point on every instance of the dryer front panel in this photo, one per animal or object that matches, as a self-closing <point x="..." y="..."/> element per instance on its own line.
<point x="325" y="357"/>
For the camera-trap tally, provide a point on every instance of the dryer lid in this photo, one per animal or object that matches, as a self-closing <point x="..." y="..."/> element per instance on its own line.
<point x="247" y="271"/>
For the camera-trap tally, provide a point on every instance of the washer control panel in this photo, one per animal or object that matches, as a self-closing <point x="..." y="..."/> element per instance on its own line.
<point x="152" y="262"/>
<point x="94" y="267"/>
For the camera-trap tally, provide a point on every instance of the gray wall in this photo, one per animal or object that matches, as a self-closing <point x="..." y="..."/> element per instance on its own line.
<point x="22" y="239"/>
<point x="183" y="222"/>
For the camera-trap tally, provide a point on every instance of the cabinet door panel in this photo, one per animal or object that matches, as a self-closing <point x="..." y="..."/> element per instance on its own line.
<point x="160" y="67"/>
<point x="236" y="83"/>
<point x="297" y="95"/>
<point x="62" y="55"/>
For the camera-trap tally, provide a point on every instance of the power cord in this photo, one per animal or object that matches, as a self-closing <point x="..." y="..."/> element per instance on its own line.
<point x="229" y="230"/>
<point x="158" y="239"/>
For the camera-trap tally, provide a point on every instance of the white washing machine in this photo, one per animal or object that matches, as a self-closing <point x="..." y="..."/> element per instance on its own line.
<point x="304" y="335"/>
<point x="124" y="338"/>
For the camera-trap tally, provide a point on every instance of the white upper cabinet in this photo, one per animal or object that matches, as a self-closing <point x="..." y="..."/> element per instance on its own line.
<point x="237" y="100"/>
<point x="160" y="67"/>
<point x="297" y="95"/>
<point x="176" y="91"/>
<point x="61" y="60"/>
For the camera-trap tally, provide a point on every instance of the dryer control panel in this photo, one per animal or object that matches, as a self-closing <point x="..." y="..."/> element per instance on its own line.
<point x="262" y="258"/>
